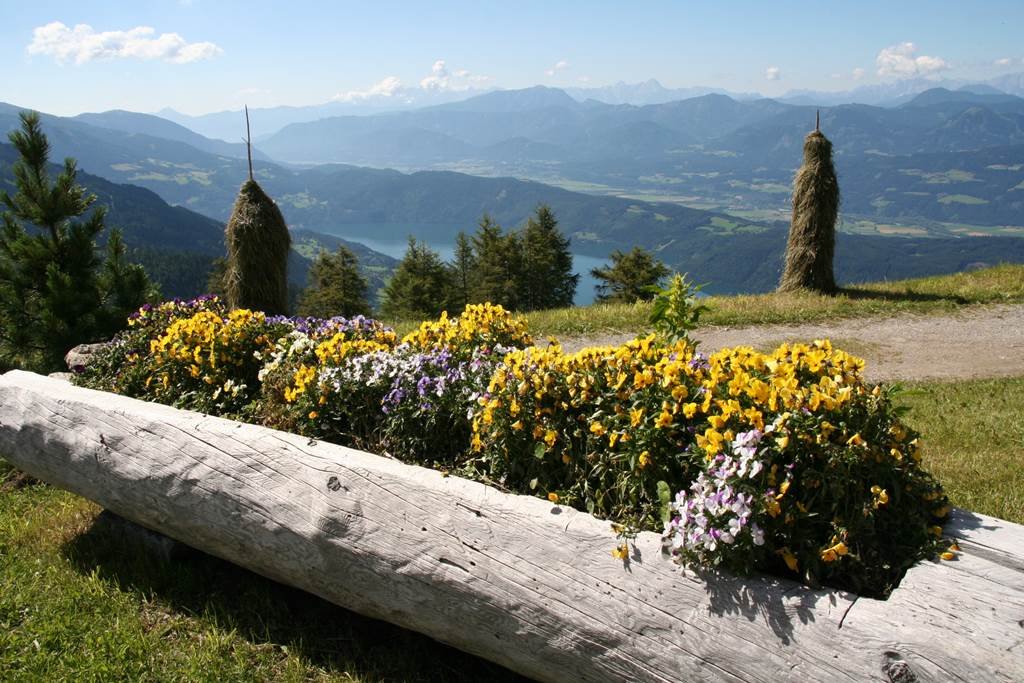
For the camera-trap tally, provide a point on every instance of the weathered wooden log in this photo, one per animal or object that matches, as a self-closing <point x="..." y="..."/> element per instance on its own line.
<point x="514" y="579"/>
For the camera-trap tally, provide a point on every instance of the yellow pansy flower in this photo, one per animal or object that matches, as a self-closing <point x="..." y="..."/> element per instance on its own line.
<point x="789" y="559"/>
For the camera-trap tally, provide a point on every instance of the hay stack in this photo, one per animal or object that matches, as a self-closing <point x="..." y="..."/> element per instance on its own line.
<point x="812" y="233"/>
<point x="258" y="243"/>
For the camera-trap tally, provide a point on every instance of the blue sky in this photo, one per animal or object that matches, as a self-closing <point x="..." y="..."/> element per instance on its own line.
<point x="206" y="55"/>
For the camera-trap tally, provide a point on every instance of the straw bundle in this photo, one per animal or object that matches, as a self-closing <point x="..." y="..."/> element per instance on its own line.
<point x="258" y="243"/>
<point x="812" y="233"/>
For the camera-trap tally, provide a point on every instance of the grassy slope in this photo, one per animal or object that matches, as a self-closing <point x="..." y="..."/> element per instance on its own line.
<point x="973" y="434"/>
<point x="930" y="295"/>
<point x="79" y="603"/>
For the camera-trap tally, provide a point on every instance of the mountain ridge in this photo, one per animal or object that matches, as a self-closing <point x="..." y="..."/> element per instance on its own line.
<point x="734" y="253"/>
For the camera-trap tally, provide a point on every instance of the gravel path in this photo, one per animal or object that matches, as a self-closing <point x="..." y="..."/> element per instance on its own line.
<point x="984" y="341"/>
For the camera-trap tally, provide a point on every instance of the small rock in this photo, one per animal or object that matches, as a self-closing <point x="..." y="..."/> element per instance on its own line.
<point x="79" y="357"/>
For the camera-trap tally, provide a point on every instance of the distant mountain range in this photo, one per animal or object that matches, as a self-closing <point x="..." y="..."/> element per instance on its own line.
<point x="329" y="197"/>
<point x="177" y="246"/>
<point x="568" y="130"/>
<point x="894" y="93"/>
<point x="711" y="149"/>
<point x="649" y="92"/>
<point x="230" y="125"/>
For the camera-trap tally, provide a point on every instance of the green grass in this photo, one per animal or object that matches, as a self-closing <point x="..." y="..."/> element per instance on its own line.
<point x="930" y="295"/>
<point x="973" y="435"/>
<point x="79" y="603"/>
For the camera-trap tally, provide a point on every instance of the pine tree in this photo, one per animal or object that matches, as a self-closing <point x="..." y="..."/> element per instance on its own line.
<point x="462" y="273"/>
<point x="419" y="286"/>
<point x="52" y="296"/>
<point x="336" y="287"/>
<point x="125" y="286"/>
<point x="631" y="276"/>
<point x="547" y="279"/>
<point x="215" y="280"/>
<point x="498" y="272"/>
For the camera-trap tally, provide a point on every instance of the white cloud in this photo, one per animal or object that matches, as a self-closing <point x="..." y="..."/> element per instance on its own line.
<point x="82" y="44"/>
<point x="560" y="65"/>
<point x="388" y="87"/>
<point x="858" y="73"/>
<point x="1005" y="61"/>
<point x="901" y="60"/>
<point x="584" y="79"/>
<point x="441" y="78"/>
<point x="772" y="73"/>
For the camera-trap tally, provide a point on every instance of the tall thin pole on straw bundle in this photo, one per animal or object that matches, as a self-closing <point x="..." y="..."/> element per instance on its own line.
<point x="248" y="140"/>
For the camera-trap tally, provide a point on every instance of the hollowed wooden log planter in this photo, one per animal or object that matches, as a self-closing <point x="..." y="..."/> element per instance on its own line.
<point x="514" y="579"/>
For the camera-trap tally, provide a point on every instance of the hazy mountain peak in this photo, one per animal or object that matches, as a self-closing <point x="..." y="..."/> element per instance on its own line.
<point x="525" y="99"/>
<point x="935" y="96"/>
<point x="647" y="92"/>
<point x="981" y="89"/>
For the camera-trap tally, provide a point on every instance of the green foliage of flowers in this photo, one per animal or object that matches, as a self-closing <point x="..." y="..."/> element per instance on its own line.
<point x="675" y="309"/>
<point x="194" y="355"/>
<point x="783" y="462"/>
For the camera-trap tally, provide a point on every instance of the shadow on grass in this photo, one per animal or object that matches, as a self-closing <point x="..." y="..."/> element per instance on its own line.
<point x="899" y="296"/>
<point x="262" y="611"/>
<point x="12" y="479"/>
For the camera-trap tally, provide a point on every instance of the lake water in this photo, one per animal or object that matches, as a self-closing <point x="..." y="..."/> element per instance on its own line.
<point x="393" y="241"/>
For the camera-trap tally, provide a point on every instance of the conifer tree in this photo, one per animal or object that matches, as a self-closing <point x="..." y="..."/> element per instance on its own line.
<point x="462" y="273"/>
<point x="631" y="276"/>
<point x="419" y="286"/>
<point x="215" y="279"/>
<point x="125" y="286"/>
<point x="498" y="272"/>
<point x="52" y="296"/>
<point x="336" y="287"/>
<point x="547" y="279"/>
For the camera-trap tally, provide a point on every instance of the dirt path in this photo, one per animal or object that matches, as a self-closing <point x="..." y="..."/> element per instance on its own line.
<point x="985" y="341"/>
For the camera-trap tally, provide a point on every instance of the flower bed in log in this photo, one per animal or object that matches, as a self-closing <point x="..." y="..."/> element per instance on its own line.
<point x="783" y="462"/>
